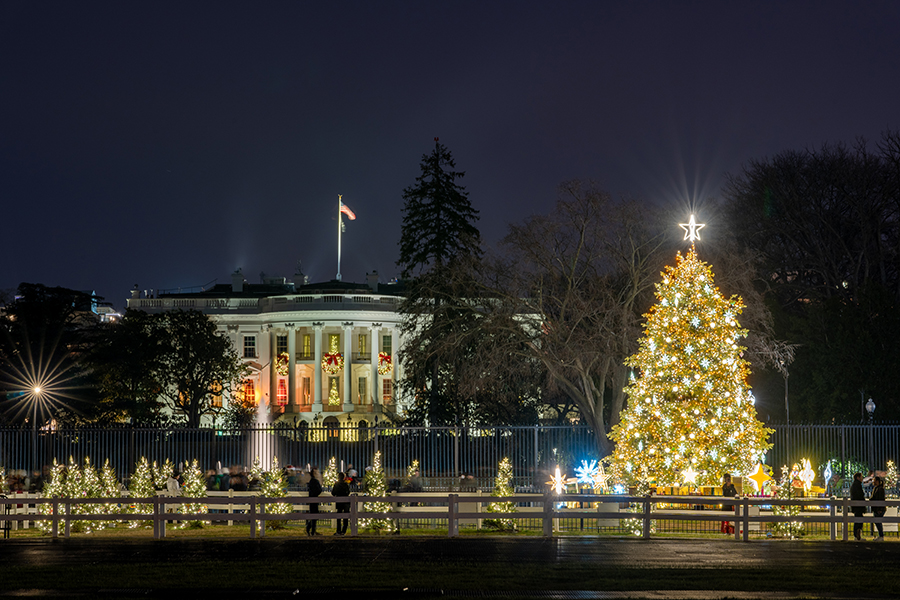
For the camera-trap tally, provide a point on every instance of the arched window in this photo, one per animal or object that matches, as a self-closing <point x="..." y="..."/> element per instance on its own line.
<point x="282" y="392"/>
<point x="332" y="425"/>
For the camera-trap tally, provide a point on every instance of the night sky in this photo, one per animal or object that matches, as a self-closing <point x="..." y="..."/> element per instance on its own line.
<point x="166" y="144"/>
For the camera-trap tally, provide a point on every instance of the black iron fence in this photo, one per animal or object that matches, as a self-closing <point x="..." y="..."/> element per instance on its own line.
<point x="444" y="453"/>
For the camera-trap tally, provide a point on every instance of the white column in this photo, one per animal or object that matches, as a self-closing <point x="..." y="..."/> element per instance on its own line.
<point x="373" y="380"/>
<point x="395" y="374"/>
<point x="271" y="340"/>
<point x="292" y="369"/>
<point x="348" y="367"/>
<point x="317" y="370"/>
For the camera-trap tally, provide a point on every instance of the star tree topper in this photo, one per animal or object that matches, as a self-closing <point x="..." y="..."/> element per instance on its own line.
<point x="692" y="229"/>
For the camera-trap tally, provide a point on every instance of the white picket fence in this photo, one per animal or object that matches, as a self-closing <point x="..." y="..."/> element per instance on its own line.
<point x="466" y="509"/>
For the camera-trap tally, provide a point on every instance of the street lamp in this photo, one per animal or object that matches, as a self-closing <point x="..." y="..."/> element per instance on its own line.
<point x="36" y="392"/>
<point x="870" y="408"/>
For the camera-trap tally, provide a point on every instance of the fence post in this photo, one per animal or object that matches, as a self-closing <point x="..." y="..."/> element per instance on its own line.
<point x="452" y="521"/>
<point x="252" y="517"/>
<point x="68" y="522"/>
<point x="746" y="508"/>
<point x="55" y="525"/>
<point x="262" y="512"/>
<point x="832" y="525"/>
<point x="537" y="453"/>
<point x="645" y="534"/>
<point x="548" y="514"/>
<point x="354" y="514"/>
<point x="845" y="517"/>
<point x="737" y="520"/>
<point x="456" y="471"/>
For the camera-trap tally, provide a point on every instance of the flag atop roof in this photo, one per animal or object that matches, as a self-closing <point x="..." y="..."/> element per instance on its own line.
<point x="346" y="210"/>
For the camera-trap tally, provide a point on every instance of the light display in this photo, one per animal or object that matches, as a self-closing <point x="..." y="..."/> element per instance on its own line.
<point x="333" y="360"/>
<point x="384" y="363"/>
<point x="789" y="529"/>
<point x="141" y="486"/>
<point x="194" y="487"/>
<point x="689" y="408"/>
<point x="282" y="363"/>
<point x="274" y="485"/>
<point x="759" y="477"/>
<point x="502" y="488"/>
<point x="375" y="484"/>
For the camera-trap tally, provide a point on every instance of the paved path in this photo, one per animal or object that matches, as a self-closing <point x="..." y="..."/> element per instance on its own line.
<point x="605" y="552"/>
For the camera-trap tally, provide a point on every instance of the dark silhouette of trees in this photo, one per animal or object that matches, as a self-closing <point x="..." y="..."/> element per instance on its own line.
<point x="826" y="224"/>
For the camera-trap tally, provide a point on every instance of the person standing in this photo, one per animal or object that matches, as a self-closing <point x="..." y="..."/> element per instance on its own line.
<point x="729" y="491"/>
<point x="878" y="511"/>
<point x="338" y="490"/>
<point x="857" y="494"/>
<point x="314" y="488"/>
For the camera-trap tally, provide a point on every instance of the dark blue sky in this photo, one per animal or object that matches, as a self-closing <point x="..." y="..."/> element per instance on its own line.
<point x="166" y="144"/>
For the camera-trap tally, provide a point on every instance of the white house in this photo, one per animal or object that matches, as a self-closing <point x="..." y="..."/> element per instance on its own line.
<point x="316" y="352"/>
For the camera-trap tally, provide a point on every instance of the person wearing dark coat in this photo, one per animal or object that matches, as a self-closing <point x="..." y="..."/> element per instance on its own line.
<point x="729" y="491"/>
<point x="341" y="489"/>
<point x="878" y="511"/>
<point x="857" y="494"/>
<point x="314" y="488"/>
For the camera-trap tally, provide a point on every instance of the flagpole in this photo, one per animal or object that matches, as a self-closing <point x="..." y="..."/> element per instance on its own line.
<point x="340" y="223"/>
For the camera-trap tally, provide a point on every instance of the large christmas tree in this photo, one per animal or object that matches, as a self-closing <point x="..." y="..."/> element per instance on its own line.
<point x="690" y="416"/>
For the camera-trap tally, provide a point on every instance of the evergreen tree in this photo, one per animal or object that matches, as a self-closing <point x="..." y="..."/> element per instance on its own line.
<point x="437" y="239"/>
<point x="785" y="491"/>
<point x="274" y="485"/>
<point x="437" y="216"/>
<point x="55" y="488"/>
<point x="502" y="488"/>
<point x="690" y="409"/>
<point x="375" y="484"/>
<point x="141" y="485"/>
<point x="329" y="477"/>
<point x="109" y="488"/>
<point x="194" y="487"/>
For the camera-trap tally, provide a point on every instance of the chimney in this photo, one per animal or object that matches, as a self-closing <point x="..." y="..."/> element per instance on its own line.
<point x="372" y="280"/>
<point x="237" y="281"/>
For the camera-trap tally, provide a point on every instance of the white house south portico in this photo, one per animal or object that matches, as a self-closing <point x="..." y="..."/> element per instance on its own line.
<point x="315" y="352"/>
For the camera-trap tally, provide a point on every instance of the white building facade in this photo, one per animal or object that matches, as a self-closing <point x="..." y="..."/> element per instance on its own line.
<point x="320" y="353"/>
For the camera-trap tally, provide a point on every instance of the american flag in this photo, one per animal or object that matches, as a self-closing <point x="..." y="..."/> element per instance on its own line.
<point x="346" y="210"/>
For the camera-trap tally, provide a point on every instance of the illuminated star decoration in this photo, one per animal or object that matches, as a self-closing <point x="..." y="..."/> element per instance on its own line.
<point x="807" y="475"/>
<point x="585" y="473"/>
<point x="690" y="475"/>
<point x="759" y="477"/>
<point x="691" y="229"/>
<point x="557" y="482"/>
<point x="601" y="479"/>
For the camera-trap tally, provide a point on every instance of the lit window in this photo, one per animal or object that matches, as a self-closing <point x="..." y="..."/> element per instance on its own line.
<point x="334" y="342"/>
<point x="249" y="346"/>
<point x="248" y="391"/>
<point x="387" y="391"/>
<point x="216" y="392"/>
<point x="307" y="345"/>
<point x="363" y="339"/>
<point x="282" y="392"/>
<point x="305" y="398"/>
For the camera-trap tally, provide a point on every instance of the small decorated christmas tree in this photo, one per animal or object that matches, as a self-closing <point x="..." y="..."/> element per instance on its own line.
<point x="785" y="491"/>
<point x="334" y="397"/>
<point x="141" y="486"/>
<point x="375" y="484"/>
<point x="274" y="485"/>
<point x="109" y="488"/>
<point x="329" y="477"/>
<point x="161" y="474"/>
<point x="690" y="409"/>
<point x="502" y="488"/>
<point x="194" y="487"/>
<point x="891" y="478"/>
<point x="55" y="488"/>
<point x="636" y="526"/>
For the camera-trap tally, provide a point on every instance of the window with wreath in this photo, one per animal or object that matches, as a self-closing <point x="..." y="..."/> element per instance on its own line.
<point x="387" y="391"/>
<point x="282" y="395"/>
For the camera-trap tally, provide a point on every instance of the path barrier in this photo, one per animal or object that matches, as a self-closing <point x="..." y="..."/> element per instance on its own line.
<point x="468" y="509"/>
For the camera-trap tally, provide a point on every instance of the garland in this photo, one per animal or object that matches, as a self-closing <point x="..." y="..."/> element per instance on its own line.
<point x="281" y="364"/>
<point x="332" y="362"/>
<point x="384" y="363"/>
